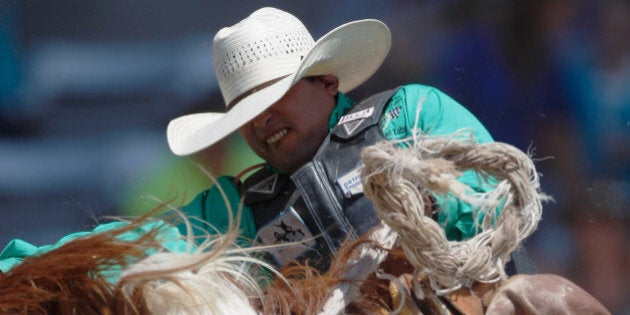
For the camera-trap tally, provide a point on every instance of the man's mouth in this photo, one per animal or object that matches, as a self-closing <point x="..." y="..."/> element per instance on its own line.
<point x="276" y="136"/>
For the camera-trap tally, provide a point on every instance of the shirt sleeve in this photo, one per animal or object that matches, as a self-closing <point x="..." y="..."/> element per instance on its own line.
<point x="169" y="237"/>
<point x="432" y="112"/>
<point x="211" y="211"/>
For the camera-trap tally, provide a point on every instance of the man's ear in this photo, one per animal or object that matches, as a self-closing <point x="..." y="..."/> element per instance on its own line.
<point x="331" y="83"/>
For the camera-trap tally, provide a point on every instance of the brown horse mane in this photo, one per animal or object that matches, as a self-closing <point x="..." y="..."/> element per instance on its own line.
<point x="305" y="289"/>
<point x="72" y="279"/>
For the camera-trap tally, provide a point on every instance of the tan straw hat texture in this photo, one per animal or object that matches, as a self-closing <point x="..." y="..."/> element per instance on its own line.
<point x="260" y="58"/>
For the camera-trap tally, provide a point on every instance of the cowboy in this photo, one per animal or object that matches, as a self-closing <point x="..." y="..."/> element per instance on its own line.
<point x="286" y="94"/>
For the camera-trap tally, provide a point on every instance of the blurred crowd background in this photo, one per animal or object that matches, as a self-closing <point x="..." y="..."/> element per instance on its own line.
<point x="87" y="88"/>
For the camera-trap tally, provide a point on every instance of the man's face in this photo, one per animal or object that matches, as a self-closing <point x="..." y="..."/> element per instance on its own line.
<point x="288" y="134"/>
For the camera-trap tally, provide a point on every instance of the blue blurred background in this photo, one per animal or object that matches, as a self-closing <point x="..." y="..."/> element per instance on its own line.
<point x="87" y="88"/>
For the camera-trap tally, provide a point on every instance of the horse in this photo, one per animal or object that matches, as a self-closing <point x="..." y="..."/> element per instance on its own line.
<point x="405" y="265"/>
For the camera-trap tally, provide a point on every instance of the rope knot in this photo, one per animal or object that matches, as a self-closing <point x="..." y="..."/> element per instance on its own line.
<point x="396" y="178"/>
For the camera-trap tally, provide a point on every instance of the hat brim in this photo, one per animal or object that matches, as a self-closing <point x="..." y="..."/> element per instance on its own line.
<point x="352" y="52"/>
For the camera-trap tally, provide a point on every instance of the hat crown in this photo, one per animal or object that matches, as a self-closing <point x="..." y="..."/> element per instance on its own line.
<point x="265" y="46"/>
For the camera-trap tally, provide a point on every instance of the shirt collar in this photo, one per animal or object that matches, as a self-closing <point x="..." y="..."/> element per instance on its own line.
<point x="344" y="103"/>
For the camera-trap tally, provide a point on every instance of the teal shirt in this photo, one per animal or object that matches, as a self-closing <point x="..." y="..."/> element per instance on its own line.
<point x="436" y="114"/>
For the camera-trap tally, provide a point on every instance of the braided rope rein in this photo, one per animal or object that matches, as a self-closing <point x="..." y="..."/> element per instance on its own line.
<point x="395" y="179"/>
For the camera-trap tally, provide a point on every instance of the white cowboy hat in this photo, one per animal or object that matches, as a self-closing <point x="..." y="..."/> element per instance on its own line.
<point x="260" y="58"/>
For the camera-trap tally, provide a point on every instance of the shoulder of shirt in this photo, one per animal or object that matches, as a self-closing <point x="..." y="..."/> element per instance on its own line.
<point x="409" y="93"/>
<point x="222" y="183"/>
<point x="420" y="89"/>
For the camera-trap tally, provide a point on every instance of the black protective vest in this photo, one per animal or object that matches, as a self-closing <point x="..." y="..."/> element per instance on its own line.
<point x="322" y="204"/>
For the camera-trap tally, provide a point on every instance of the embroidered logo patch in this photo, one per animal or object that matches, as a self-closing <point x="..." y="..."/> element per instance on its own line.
<point x="350" y="183"/>
<point x="289" y="229"/>
<point x="266" y="186"/>
<point x="394" y="113"/>
<point x="389" y="115"/>
<point x="362" y="114"/>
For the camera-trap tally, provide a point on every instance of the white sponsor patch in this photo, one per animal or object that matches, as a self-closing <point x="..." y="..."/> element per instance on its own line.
<point x="289" y="229"/>
<point x="358" y="115"/>
<point x="350" y="183"/>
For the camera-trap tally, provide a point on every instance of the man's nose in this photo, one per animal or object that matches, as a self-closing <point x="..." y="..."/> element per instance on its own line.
<point x="262" y="120"/>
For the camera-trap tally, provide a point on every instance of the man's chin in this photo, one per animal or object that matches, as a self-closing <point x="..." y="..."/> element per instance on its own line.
<point x="287" y="167"/>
